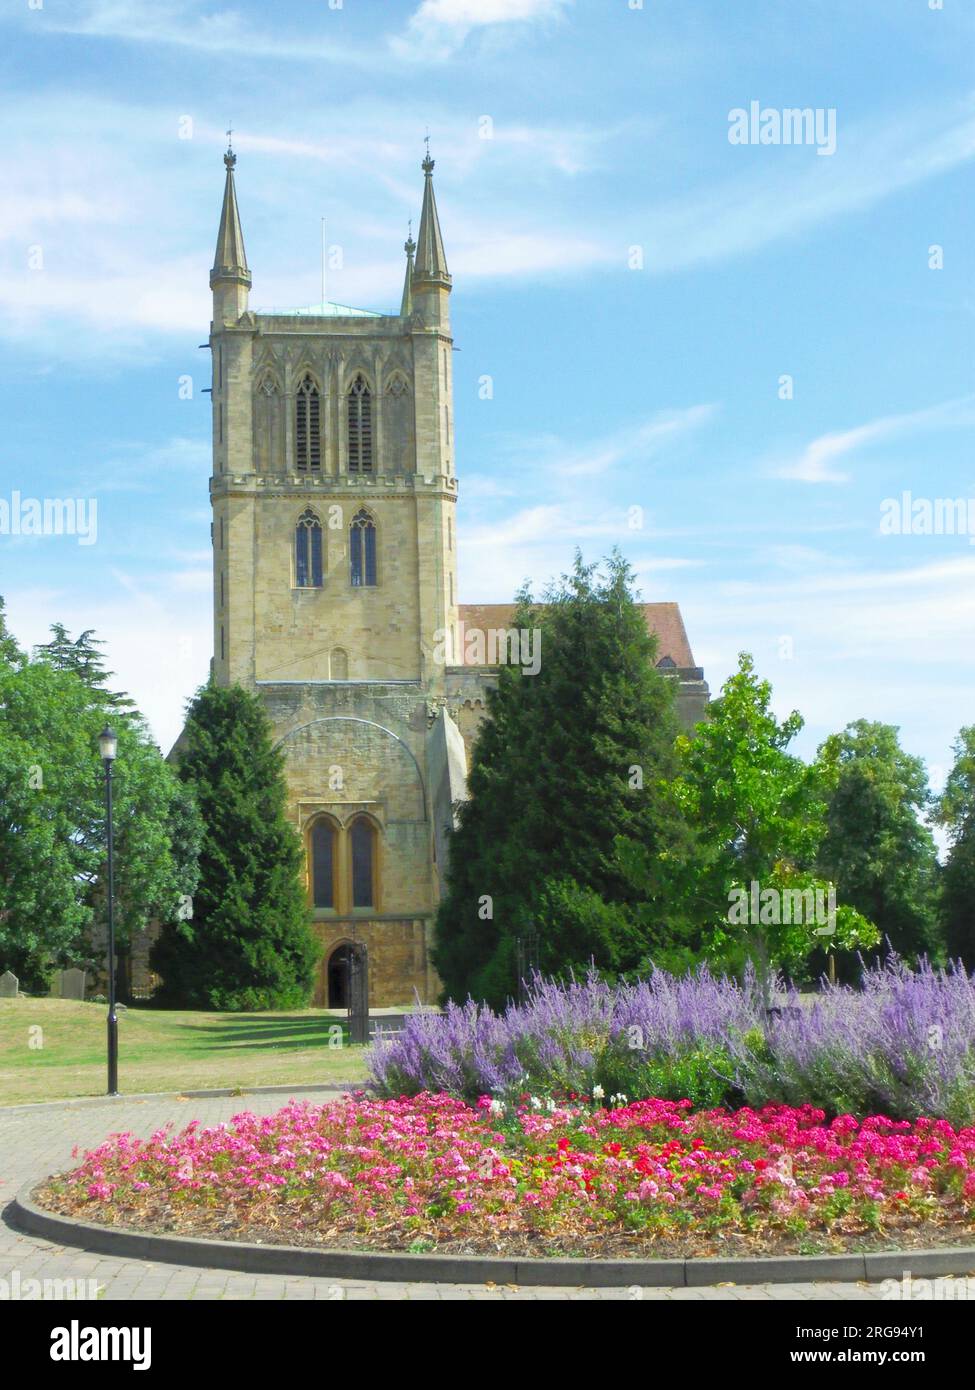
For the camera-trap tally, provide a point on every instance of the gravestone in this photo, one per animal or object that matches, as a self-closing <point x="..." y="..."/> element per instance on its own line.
<point x="8" y="985"/>
<point x="72" y="984"/>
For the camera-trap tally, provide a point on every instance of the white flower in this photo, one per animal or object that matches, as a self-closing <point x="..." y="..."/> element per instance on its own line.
<point x="598" y="1093"/>
<point x="496" y="1107"/>
<point x="536" y="1104"/>
<point x="550" y="1105"/>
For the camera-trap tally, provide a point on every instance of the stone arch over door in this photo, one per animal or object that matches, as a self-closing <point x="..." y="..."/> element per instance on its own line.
<point x="337" y="975"/>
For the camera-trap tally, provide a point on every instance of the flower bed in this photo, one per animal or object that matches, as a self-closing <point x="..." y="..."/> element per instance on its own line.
<point x="902" y="1045"/>
<point x="434" y="1173"/>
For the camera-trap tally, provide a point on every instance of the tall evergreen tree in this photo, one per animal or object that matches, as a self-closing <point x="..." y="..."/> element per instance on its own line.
<point x="567" y="760"/>
<point x="248" y="944"/>
<point x="877" y="848"/>
<point x="9" y="651"/>
<point x="956" y="812"/>
<point x="83" y="656"/>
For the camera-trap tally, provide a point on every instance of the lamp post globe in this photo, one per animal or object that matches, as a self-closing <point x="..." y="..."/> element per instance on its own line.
<point x="108" y="744"/>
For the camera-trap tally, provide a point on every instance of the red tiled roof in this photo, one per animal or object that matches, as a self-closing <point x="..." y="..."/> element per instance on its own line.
<point x="663" y="619"/>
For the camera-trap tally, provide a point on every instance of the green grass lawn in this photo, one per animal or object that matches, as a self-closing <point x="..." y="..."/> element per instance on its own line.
<point x="164" y="1051"/>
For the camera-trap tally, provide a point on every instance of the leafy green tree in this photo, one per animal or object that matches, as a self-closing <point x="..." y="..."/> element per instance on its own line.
<point x="955" y="811"/>
<point x="566" y="760"/>
<point x="877" y="848"/>
<point x="49" y="814"/>
<point x="52" y="819"/>
<point x="156" y="829"/>
<point x="758" y="813"/>
<point x="248" y="944"/>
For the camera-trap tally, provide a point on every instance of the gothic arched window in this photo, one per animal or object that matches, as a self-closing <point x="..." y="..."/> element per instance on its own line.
<point x="308" y="436"/>
<point x="322" y="846"/>
<point x="363" y="844"/>
<point x="360" y="426"/>
<point x="338" y="664"/>
<point x="308" y="551"/>
<point x="362" y="549"/>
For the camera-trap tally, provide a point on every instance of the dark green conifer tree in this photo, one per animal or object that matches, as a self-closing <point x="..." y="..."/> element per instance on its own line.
<point x="248" y="944"/>
<point x="567" y="760"/>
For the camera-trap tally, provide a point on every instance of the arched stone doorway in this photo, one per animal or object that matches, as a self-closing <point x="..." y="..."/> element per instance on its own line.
<point x="337" y="974"/>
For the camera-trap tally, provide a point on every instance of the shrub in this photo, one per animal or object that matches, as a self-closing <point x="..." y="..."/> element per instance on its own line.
<point x="903" y="1043"/>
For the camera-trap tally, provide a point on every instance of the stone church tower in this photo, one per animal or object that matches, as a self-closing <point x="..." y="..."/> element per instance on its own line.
<point x="334" y="494"/>
<point x="335" y="579"/>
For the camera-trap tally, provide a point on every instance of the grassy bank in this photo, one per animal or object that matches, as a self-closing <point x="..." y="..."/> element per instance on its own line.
<point x="55" y="1048"/>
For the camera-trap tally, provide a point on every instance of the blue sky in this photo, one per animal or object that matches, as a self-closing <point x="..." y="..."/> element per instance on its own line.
<point x="614" y="387"/>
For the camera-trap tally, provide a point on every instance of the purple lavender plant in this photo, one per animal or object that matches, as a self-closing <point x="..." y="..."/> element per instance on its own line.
<point x="903" y="1043"/>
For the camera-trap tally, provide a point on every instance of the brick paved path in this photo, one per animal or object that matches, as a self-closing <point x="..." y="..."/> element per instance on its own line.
<point x="37" y="1140"/>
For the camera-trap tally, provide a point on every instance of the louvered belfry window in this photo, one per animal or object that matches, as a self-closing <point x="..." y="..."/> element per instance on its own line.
<point x="360" y="426"/>
<point x="308" y="435"/>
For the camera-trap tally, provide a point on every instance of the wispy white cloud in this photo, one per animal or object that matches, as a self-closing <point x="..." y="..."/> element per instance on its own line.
<point x="595" y="491"/>
<point x="507" y="252"/>
<point x="472" y="14"/>
<point x="637" y="443"/>
<point x="846" y="579"/>
<point x="480" y="486"/>
<point x="438" y="28"/>
<point x="93" y="204"/>
<point x="83" y="240"/>
<point x="818" y="461"/>
<point x="770" y="194"/>
<point x="434" y="32"/>
<point x="188" y="25"/>
<point x="135" y="466"/>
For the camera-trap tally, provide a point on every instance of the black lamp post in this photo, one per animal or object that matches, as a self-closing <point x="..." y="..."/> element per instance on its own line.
<point x="108" y="747"/>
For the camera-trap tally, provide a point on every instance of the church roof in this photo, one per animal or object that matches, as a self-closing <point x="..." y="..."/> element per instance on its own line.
<point x="328" y="310"/>
<point x="663" y="620"/>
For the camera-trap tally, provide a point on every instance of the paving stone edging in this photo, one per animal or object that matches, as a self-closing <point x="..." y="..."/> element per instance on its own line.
<point x="477" y="1269"/>
<point x="337" y="1088"/>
